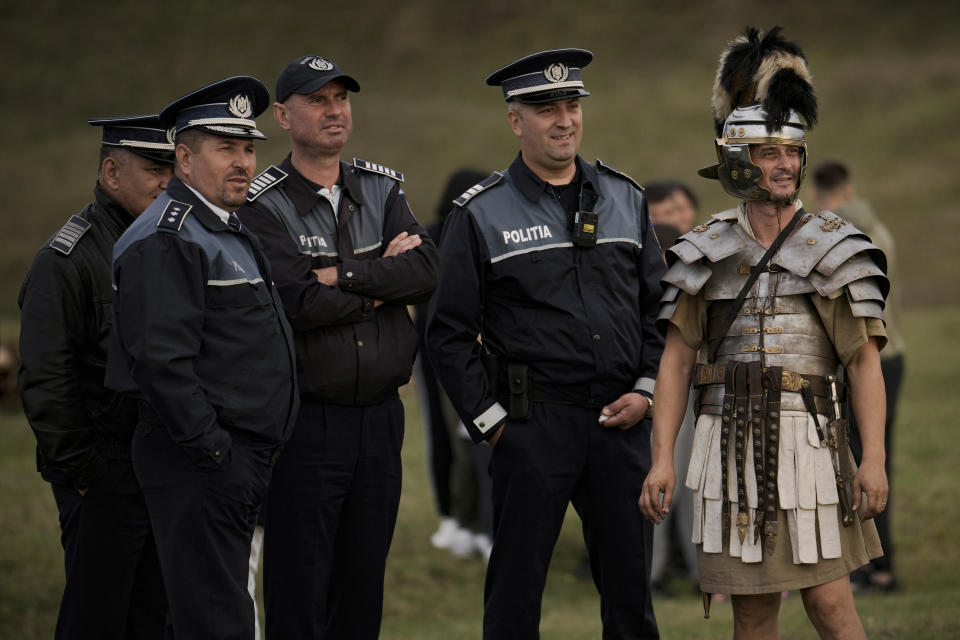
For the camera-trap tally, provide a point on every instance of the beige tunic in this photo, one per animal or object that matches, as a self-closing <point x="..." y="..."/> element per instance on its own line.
<point x="811" y="546"/>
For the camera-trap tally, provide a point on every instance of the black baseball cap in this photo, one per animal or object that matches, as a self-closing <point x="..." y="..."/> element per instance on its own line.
<point x="307" y="74"/>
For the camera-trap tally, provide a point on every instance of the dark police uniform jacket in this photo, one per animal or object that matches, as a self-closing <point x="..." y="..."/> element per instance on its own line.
<point x="200" y="332"/>
<point x="65" y="303"/>
<point x="582" y="319"/>
<point x="348" y="352"/>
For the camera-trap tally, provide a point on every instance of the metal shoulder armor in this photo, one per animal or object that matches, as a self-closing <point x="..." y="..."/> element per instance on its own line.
<point x="837" y="258"/>
<point x="689" y="260"/>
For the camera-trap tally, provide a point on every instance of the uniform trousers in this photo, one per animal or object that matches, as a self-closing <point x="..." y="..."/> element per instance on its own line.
<point x="113" y="589"/>
<point x="538" y="467"/>
<point x="203" y="521"/>
<point x="892" y="369"/>
<point x="331" y="512"/>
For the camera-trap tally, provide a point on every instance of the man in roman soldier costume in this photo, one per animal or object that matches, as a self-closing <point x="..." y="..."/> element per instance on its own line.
<point x="776" y="316"/>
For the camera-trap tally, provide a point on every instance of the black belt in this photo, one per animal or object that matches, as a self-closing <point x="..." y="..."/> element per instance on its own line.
<point x="557" y="395"/>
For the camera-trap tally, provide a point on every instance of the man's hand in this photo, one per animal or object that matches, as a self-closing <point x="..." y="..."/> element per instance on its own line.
<point x="871" y="479"/>
<point x="496" y="435"/>
<point x="625" y="411"/>
<point x="402" y="243"/>
<point x="327" y="276"/>
<point x="657" y="493"/>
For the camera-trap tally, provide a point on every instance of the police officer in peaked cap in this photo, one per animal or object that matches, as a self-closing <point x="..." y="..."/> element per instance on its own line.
<point x="201" y="340"/>
<point x="553" y="262"/>
<point x="113" y="584"/>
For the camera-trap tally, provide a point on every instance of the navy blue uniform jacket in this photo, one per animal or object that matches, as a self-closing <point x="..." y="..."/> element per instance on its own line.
<point x="582" y="319"/>
<point x="199" y="331"/>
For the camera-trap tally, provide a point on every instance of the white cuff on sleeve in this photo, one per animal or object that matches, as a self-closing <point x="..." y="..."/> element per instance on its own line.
<point x="645" y="384"/>
<point x="486" y="420"/>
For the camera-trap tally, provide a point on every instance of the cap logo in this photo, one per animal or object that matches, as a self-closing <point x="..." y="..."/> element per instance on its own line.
<point x="171" y="134"/>
<point x="556" y="72"/>
<point x="240" y="106"/>
<point x="319" y="64"/>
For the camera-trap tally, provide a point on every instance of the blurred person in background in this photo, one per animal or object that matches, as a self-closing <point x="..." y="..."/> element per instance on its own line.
<point x="672" y="203"/>
<point x="348" y="256"/>
<point x="113" y="584"/>
<point x="672" y="208"/>
<point x="457" y="469"/>
<point x="833" y="190"/>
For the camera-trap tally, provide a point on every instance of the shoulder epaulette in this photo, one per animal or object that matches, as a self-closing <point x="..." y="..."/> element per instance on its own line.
<point x="607" y="168"/>
<point x="67" y="238"/>
<point x="270" y="178"/>
<point x="481" y="186"/>
<point x="173" y="215"/>
<point x="378" y="168"/>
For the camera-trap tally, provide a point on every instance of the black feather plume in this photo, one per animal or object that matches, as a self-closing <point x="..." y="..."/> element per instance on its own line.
<point x="763" y="68"/>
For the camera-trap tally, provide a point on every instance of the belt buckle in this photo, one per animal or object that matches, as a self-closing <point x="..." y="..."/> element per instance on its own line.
<point x="792" y="381"/>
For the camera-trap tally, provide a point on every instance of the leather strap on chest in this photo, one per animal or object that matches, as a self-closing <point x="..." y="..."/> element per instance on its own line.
<point x="755" y="272"/>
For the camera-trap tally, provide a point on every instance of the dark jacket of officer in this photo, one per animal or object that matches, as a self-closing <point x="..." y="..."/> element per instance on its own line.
<point x="581" y="318"/>
<point x="348" y="351"/>
<point x="66" y="302"/>
<point x="200" y="332"/>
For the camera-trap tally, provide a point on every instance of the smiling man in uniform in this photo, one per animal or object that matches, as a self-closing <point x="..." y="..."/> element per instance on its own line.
<point x="555" y="265"/>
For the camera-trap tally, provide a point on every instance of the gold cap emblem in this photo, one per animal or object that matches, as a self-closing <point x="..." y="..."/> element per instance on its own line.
<point x="556" y="72"/>
<point x="240" y="106"/>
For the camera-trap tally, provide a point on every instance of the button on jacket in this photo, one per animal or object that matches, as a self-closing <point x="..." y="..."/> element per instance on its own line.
<point x="348" y="352"/>
<point x="66" y="302"/>
<point x="582" y="318"/>
<point x="200" y="331"/>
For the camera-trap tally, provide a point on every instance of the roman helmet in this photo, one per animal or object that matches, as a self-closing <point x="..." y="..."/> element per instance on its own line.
<point x="763" y="94"/>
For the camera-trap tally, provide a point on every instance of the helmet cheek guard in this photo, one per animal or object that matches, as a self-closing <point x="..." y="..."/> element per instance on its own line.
<point x="738" y="175"/>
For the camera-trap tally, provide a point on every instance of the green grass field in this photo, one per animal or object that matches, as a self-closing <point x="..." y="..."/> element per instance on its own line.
<point x="432" y="596"/>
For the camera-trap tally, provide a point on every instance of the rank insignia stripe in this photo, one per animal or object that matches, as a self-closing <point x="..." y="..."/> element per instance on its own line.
<point x="173" y="215"/>
<point x="271" y="177"/>
<point x="68" y="236"/>
<point x="480" y="187"/>
<point x="378" y="168"/>
<point x="617" y="172"/>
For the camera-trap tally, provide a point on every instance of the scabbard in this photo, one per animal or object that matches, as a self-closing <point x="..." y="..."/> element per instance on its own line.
<point x="839" y="439"/>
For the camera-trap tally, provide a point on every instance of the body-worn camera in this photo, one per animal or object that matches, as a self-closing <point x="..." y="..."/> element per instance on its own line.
<point x="585" y="228"/>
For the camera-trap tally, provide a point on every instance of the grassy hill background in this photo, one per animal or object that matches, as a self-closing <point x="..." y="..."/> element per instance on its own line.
<point x="887" y="74"/>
